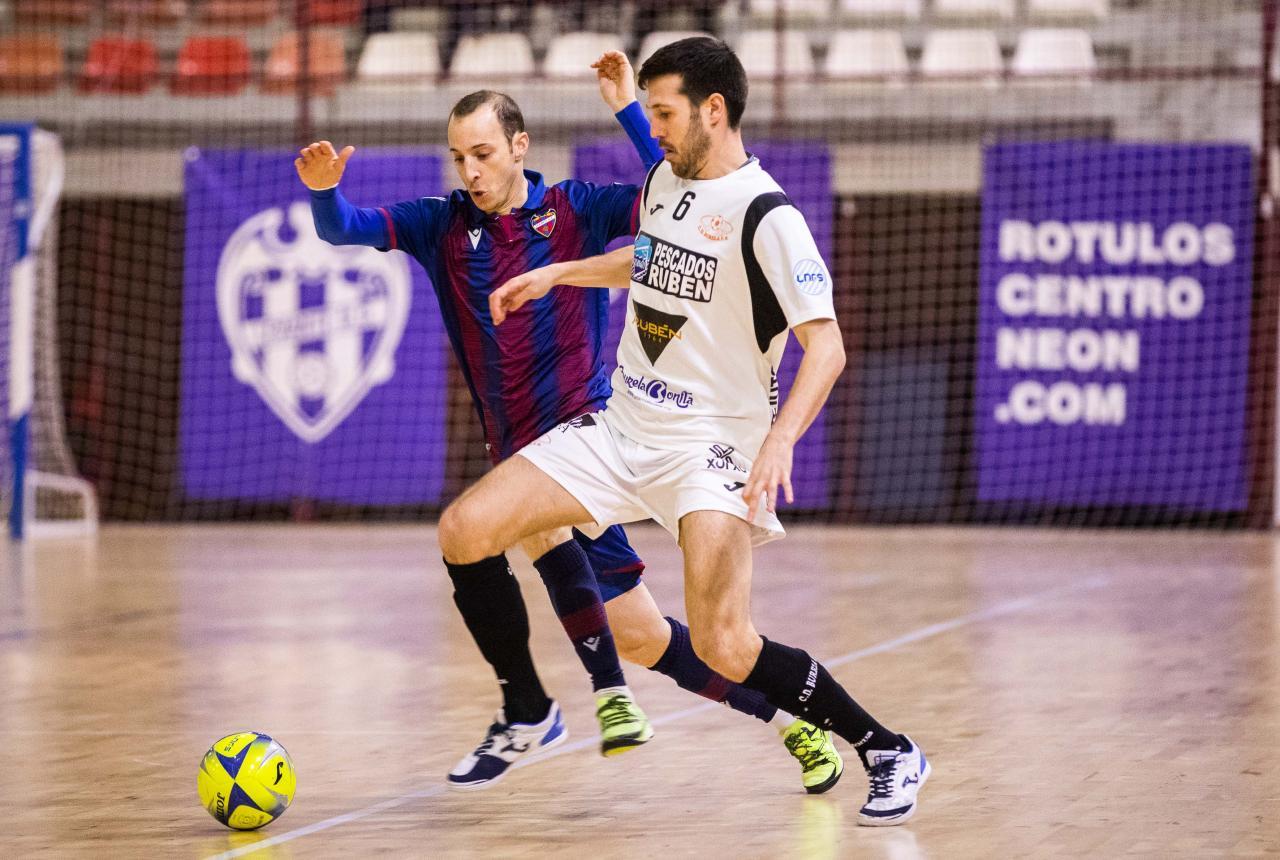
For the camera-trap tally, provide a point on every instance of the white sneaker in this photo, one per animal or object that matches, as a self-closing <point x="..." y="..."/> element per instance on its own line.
<point x="505" y="744"/>
<point x="896" y="778"/>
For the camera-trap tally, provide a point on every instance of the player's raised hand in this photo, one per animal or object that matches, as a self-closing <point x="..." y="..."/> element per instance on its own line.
<point x="319" y="167"/>
<point x="616" y="78"/>
<point x="509" y="297"/>
<point x="771" y="468"/>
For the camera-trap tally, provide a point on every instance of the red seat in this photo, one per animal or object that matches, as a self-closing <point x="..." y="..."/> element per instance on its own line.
<point x="47" y="12"/>
<point x="211" y="65"/>
<point x="341" y="12"/>
<point x="31" y="63"/>
<point x="327" y="66"/>
<point x="117" y="64"/>
<point x="247" y="12"/>
<point x="163" y="12"/>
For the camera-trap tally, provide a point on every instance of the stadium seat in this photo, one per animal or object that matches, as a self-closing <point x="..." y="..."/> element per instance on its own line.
<point x="211" y="65"/>
<point x="790" y="8"/>
<point x="156" y="12"/>
<point x="974" y="9"/>
<point x="758" y="50"/>
<point x="399" y="58"/>
<point x="660" y="38"/>
<point x="1054" y="53"/>
<point x="31" y="63"/>
<point x="337" y="12"/>
<point x="907" y="10"/>
<point x="242" y="12"/>
<point x="500" y="54"/>
<point x="571" y="55"/>
<point x="327" y="65"/>
<point x="1069" y="9"/>
<point x="962" y="53"/>
<point x="867" y="54"/>
<point x="119" y="64"/>
<point x="44" y="13"/>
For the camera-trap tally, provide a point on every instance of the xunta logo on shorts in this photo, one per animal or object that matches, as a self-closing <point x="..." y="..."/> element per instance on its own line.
<point x="656" y="329"/>
<point x="673" y="270"/>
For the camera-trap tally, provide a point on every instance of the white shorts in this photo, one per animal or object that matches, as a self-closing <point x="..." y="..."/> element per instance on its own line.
<point x="619" y="480"/>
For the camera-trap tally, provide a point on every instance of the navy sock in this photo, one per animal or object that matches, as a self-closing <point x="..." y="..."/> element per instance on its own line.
<point x="799" y="684"/>
<point x="488" y="596"/>
<point x="681" y="665"/>
<point x="575" y="595"/>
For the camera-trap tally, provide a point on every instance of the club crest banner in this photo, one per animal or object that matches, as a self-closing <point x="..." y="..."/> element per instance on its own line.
<point x="309" y="370"/>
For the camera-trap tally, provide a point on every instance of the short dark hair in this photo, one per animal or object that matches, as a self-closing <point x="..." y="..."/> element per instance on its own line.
<point x="504" y="108"/>
<point x="705" y="66"/>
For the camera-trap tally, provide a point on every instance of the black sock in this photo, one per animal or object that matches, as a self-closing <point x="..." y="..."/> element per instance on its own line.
<point x="488" y="596"/>
<point x="792" y="680"/>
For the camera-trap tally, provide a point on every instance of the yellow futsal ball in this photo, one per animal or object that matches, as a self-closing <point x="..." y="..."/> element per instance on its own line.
<point x="246" y="780"/>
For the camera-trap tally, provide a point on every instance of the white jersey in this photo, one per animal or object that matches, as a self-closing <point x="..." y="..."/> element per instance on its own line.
<point x="723" y="268"/>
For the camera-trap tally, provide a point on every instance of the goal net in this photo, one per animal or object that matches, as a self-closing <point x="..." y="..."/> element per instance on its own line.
<point x="1047" y="223"/>
<point x="41" y="490"/>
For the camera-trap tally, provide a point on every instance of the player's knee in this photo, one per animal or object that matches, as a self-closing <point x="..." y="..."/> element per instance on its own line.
<point x="463" y="539"/>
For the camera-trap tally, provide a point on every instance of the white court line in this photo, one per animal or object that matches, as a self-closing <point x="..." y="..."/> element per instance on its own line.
<point x="1008" y="607"/>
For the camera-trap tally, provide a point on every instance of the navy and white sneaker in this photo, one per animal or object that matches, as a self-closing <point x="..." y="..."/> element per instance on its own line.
<point x="896" y="778"/>
<point x="505" y="744"/>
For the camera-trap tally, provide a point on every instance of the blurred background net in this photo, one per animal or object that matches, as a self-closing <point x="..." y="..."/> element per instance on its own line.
<point x="204" y="357"/>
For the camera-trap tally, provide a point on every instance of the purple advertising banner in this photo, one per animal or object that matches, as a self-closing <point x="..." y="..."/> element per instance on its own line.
<point x="803" y="170"/>
<point x="1113" y="333"/>
<point x="308" y="371"/>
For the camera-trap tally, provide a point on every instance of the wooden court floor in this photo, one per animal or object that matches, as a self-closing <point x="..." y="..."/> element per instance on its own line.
<point x="1080" y="694"/>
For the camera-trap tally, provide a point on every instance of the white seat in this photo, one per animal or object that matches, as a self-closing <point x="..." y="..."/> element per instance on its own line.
<point x="758" y="50"/>
<point x="493" y="54"/>
<point x="962" y="53"/>
<point x="973" y="9"/>
<point x="571" y="54"/>
<point x="792" y="8"/>
<point x="1054" y="52"/>
<point x="867" y="54"/>
<point x="1075" y="9"/>
<point x="907" y="10"/>
<point x="661" y="38"/>
<point x="399" y="57"/>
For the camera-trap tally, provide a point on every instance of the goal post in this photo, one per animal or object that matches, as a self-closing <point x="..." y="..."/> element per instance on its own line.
<point x="42" y="492"/>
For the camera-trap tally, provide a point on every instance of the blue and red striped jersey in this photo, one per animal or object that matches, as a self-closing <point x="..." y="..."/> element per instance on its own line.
<point x="545" y="364"/>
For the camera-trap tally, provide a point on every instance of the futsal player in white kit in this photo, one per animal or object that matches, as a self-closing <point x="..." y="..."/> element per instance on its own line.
<point x="723" y="267"/>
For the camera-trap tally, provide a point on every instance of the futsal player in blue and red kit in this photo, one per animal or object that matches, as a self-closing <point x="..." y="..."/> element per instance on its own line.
<point x="542" y="368"/>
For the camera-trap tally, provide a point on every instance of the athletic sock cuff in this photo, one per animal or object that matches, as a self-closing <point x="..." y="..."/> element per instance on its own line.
<point x="483" y="575"/>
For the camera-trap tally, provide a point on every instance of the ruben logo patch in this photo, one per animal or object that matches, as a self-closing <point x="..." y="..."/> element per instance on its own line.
<point x="673" y="270"/>
<point x="544" y="222"/>
<point x="656" y="329"/>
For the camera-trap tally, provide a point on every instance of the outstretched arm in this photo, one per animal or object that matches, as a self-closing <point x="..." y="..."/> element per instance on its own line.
<point x="607" y="270"/>
<point x="618" y="88"/>
<point x="337" y="221"/>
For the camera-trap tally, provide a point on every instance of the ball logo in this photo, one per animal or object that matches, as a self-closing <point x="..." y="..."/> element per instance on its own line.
<point x="715" y="227"/>
<point x="810" y="277"/>
<point x="312" y="327"/>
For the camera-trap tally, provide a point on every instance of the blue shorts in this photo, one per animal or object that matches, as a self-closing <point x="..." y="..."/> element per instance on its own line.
<point x="616" y="564"/>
